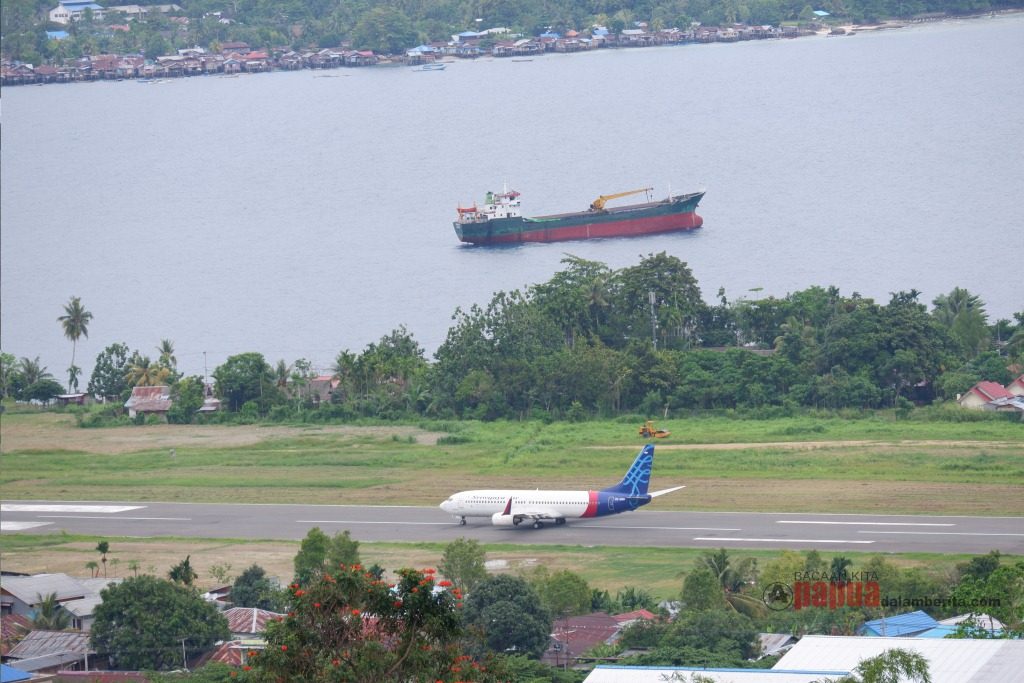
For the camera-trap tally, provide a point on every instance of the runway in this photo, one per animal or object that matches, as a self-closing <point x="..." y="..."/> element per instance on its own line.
<point x="643" y="528"/>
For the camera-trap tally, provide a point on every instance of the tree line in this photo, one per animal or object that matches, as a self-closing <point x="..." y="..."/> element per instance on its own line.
<point x="393" y="26"/>
<point x="596" y="341"/>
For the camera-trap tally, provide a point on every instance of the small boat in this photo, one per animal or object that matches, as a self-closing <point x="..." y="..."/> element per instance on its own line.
<point x="436" y="66"/>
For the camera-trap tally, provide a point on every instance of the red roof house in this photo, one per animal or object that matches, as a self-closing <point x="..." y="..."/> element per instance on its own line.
<point x="983" y="393"/>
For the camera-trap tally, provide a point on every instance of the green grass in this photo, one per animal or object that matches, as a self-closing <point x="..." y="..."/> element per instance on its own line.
<point x="952" y="464"/>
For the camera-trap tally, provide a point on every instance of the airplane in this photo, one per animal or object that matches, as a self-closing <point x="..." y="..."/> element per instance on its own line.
<point x="512" y="508"/>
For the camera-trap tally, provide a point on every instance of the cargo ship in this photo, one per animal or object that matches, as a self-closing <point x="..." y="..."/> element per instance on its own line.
<point x="499" y="219"/>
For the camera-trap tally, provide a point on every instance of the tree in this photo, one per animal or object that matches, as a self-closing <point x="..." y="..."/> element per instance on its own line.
<point x="892" y="666"/>
<point x="49" y="615"/>
<point x="109" y="374"/>
<point x="145" y="622"/>
<point x="166" y="355"/>
<point x="508" y="615"/>
<point x="143" y="372"/>
<point x="187" y="397"/>
<point x="702" y="590"/>
<point x="563" y="593"/>
<point x="246" y="377"/>
<point x="183" y="572"/>
<point x="29" y="374"/>
<point x="254" y="589"/>
<point x="723" y="631"/>
<point x="103" y="548"/>
<point x="75" y="323"/>
<point x="734" y="580"/>
<point x="9" y="376"/>
<point x="349" y="626"/>
<point x="319" y="553"/>
<point x="963" y="314"/>
<point x="384" y="29"/>
<point x="463" y="563"/>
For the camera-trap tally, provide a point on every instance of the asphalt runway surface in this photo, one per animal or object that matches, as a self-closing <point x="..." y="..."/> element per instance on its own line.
<point x="643" y="528"/>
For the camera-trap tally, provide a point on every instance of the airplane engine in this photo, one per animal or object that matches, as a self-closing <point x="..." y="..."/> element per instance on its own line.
<point x="498" y="519"/>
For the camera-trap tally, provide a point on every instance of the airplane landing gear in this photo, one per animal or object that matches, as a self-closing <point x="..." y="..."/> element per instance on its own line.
<point x="538" y="525"/>
<point x="559" y="521"/>
<point x="462" y="521"/>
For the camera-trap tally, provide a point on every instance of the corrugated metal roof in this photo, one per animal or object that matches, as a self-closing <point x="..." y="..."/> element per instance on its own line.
<point x="949" y="661"/>
<point x="899" y="625"/>
<point x="654" y="674"/>
<point x="28" y="589"/>
<point x="43" y="643"/>
<point x="249" y="619"/>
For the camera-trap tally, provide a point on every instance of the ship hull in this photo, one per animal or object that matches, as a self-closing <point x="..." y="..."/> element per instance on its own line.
<point x="670" y="215"/>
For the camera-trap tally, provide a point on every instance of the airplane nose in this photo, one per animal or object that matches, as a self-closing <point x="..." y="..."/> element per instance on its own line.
<point x="445" y="505"/>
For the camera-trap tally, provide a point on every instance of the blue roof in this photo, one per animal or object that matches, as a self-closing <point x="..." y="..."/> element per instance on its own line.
<point x="80" y="4"/>
<point x="821" y="13"/>
<point x="56" y="35"/>
<point x="907" y="624"/>
<point x="8" y="674"/>
<point x="761" y="672"/>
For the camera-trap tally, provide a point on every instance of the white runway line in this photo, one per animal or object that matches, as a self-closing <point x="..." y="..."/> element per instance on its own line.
<point x="801" y="521"/>
<point x="33" y="507"/>
<point x="654" y="528"/>
<point x="717" y="539"/>
<point x="348" y="521"/>
<point x="21" y="526"/>
<point x="160" y="519"/>
<point x="940" y="533"/>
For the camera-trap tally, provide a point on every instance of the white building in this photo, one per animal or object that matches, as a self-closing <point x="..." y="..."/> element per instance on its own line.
<point x="72" y="10"/>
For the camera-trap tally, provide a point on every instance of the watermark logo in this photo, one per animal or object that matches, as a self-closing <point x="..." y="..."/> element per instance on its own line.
<point x="778" y="596"/>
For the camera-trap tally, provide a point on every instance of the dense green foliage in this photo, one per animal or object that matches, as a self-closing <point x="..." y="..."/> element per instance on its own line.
<point x="347" y="625"/>
<point x="149" y="623"/>
<point x="507" y="614"/>
<point x="253" y="588"/>
<point x="390" y="26"/>
<point x="590" y="342"/>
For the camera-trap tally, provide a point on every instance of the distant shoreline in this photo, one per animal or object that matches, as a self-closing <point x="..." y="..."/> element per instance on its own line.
<point x="231" y="64"/>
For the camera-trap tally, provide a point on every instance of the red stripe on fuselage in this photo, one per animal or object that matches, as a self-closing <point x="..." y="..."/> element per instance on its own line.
<point x="591" y="510"/>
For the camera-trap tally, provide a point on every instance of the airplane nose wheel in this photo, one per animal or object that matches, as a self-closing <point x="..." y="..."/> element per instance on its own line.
<point x="462" y="521"/>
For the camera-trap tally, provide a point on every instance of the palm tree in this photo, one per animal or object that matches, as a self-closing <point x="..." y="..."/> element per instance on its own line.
<point x="32" y="371"/>
<point x="145" y="373"/>
<point x="282" y="372"/>
<point x="73" y="373"/>
<point x="183" y="572"/>
<point x="166" y="351"/>
<point x="103" y="548"/>
<point x="94" y="567"/>
<point x="734" y="580"/>
<point x="838" y="569"/>
<point x="75" y="323"/>
<point x="50" y="616"/>
<point x="133" y="567"/>
<point x="963" y="314"/>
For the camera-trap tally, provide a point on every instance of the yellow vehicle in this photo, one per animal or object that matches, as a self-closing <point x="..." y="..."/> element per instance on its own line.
<point x="648" y="431"/>
<point x="598" y="204"/>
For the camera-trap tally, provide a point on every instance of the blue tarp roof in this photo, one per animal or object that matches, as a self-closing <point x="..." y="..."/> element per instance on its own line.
<point x="8" y="674"/>
<point x="900" y="625"/>
<point x="821" y="13"/>
<point x="56" y="35"/>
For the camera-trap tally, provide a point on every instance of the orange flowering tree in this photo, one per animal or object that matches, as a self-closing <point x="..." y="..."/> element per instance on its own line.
<point x="351" y="626"/>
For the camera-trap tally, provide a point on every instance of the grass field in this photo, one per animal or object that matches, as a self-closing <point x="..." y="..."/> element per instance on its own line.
<point x="658" y="570"/>
<point x="798" y="464"/>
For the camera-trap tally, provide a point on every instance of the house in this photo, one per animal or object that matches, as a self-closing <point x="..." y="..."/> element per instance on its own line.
<point x="983" y="393"/>
<point x="605" y="673"/>
<point x="149" y="401"/>
<point x="901" y="625"/>
<point x="1016" y="387"/>
<point x="22" y="594"/>
<point x="52" y="651"/>
<point x="773" y="644"/>
<point x="77" y="399"/>
<point x="73" y="10"/>
<point x="574" y="636"/>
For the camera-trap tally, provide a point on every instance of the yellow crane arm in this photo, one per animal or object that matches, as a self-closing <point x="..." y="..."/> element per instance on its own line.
<point x="598" y="204"/>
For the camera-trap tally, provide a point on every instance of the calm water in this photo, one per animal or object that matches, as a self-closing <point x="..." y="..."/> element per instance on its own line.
<point x="298" y="215"/>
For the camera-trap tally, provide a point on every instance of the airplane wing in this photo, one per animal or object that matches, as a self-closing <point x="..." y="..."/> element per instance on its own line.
<point x="664" y="491"/>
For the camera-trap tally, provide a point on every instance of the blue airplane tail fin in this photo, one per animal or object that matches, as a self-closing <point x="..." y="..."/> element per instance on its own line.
<point x="639" y="475"/>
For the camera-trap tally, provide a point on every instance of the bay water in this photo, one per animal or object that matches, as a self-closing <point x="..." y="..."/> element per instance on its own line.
<point x="299" y="214"/>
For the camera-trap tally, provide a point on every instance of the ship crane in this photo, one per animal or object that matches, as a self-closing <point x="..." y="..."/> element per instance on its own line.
<point x="598" y="204"/>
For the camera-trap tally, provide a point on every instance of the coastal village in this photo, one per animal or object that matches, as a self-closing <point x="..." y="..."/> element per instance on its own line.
<point x="237" y="58"/>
